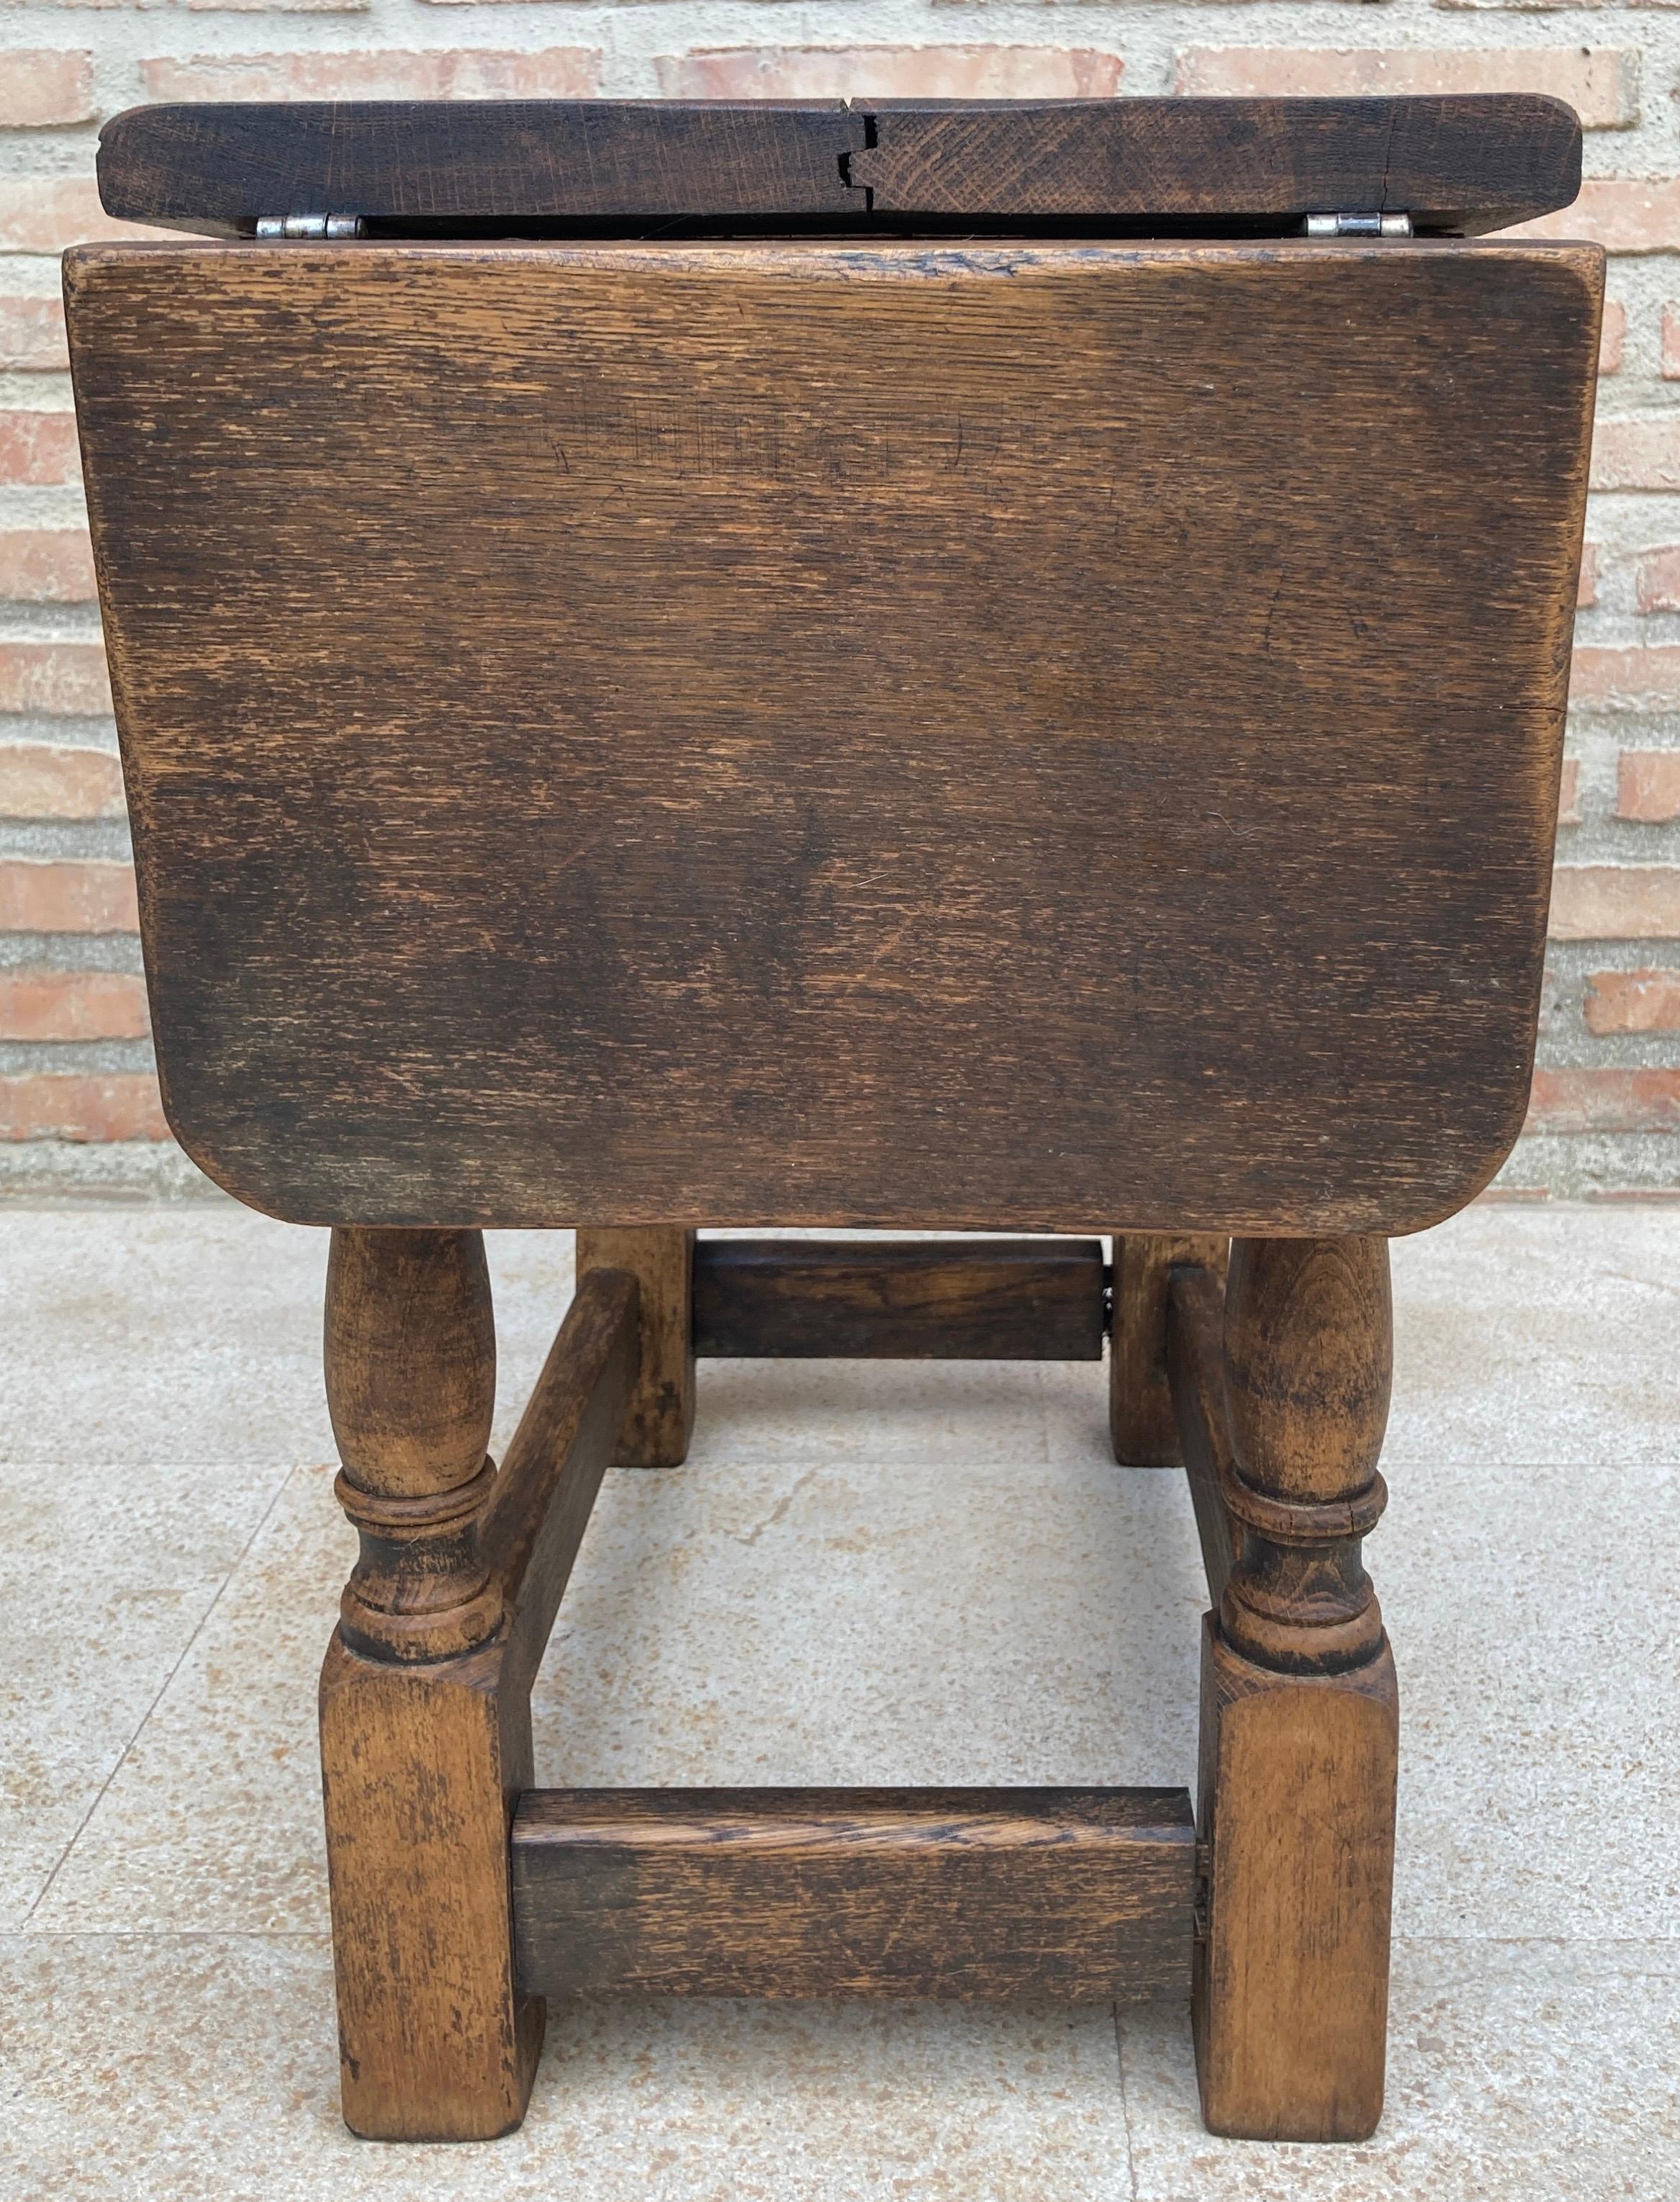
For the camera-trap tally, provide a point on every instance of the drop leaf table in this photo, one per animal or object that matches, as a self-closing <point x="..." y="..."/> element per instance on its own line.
<point x="936" y="668"/>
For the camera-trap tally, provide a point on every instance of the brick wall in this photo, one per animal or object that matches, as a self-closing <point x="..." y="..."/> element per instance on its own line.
<point x="78" y="1104"/>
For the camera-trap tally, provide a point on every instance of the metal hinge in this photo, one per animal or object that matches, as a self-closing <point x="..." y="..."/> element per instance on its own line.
<point x="1357" y="225"/>
<point x="309" y="225"/>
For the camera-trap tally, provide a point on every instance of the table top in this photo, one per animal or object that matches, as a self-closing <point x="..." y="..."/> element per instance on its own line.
<point x="799" y="732"/>
<point x="1454" y="165"/>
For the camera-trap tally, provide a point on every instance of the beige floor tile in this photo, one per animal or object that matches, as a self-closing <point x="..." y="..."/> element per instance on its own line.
<point x="212" y="1820"/>
<point x="839" y="1411"/>
<point x="1516" y="2072"/>
<point x="105" y="1575"/>
<point x="1535" y="1637"/>
<point x="195" y="1334"/>
<point x="876" y="1621"/>
<point x="187" y="2069"/>
<point x="1549" y="1334"/>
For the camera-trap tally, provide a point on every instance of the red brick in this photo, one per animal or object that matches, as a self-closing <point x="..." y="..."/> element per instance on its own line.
<point x="1671" y="357"/>
<point x="1656" y="584"/>
<point x="1632" y="1001"/>
<point x="263" y="7"/>
<point x="46" y="565"/>
<point x="31" y="336"/>
<point x="1625" y="213"/>
<point x="59" y="679"/>
<point x="67" y="898"/>
<point x="1569" y="793"/>
<point x="1615" y="902"/>
<point x="1648" y="786"/>
<point x="1586" y="591"/>
<point x="1644" y="679"/>
<point x="1601" y="86"/>
<point x="557" y="73"/>
<point x="39" y="449"/>
<point x="1612" y="337"/>
<point x="38" y="779"/>
<point x="124" y="1105"/>
<point x="890" y="73"/>
<point x="37" y="1006"/>
<point x="44" y="215"/>
<point x="44" y="86"/>
<point x="1605" y="1098"/>
<point x="1642" y="452"/>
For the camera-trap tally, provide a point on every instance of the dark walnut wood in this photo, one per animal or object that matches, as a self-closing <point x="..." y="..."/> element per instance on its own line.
<point x="1081" y="1895"/>
<point x="425" y="1695"/>
<point x="659" y="1419"/>
<point x="410" y="1368"/>
<point x="1458" y="163"/>
<point x="1299" y="1728"/>
<point x="438" y="164"/>
<point x="1196" y="1370"/>
<point x="1462" y="163"/>
<point x="795" y="735"/>
<point x="409" y="1354"/>
<point x="1142" y="1424"/>
<point x="990" y="1300"/>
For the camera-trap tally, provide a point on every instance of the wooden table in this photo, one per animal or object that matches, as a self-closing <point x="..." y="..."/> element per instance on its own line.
<point x="984" y="667"/>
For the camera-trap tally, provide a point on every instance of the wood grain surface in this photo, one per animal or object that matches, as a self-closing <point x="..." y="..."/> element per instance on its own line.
<point x="1458" y="163"/>
<point x="1142" y="1424"/>
<point x="1196" y="1370"/>
<point x="1463" y="163"/>
<point x="411" y="1366"/>
<point x="425" y="1694"/>
<point x="220" y="165"/>
<point x="409" y="1356"/>
<point x="1290" y="1999"/>
<point x="421" y="1753"/>
<point x="659" y="1419"/>
<point x="422" y="1767"/>
<point x="1078" y="1895"/>
<point x="888" y="736"/>
<point x="990" y="1300"/>
<point x="1300" y="1724"/>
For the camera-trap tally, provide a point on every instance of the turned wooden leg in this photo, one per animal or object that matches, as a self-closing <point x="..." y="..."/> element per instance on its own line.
<point x="659" y="1419"/>
<point x="1298" y="1708"/>
<point x="423" y="1751"/>
<point x="1141" y="1418"/>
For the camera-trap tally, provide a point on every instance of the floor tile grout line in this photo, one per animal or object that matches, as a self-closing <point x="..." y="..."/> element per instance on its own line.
<point x="223" y="1464"/>
<point x="1558" y="1942"/>
<point x="122" y="1758"/>
<point x="1550" y="1941"/>
<point x="321" y="1934"/>
<point x="1125" y="2102"/>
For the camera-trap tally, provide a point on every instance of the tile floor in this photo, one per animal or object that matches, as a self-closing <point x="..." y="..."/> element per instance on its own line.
<point x="886" y="1573"/>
